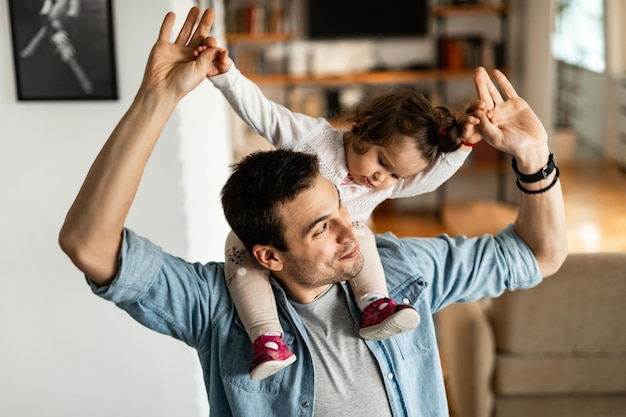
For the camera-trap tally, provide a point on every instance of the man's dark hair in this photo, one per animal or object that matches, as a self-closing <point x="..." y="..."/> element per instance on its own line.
<point x="257" y="186"/>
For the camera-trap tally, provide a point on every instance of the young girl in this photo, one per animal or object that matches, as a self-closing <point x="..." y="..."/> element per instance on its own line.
<point x="399" y="145"/>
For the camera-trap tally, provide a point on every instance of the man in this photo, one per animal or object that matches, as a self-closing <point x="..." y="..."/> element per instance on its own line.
<point x="298" y="229"/>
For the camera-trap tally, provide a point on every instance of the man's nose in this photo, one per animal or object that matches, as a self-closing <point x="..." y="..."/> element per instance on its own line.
<point x="346" y="231"/>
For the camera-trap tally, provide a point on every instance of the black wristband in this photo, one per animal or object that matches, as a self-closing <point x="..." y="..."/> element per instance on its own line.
<point x="542" y="174"/>
<point x="543" y="190"/>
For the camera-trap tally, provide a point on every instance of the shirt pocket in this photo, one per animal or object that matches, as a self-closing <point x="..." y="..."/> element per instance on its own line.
<point x="421" y="339"/>
<point x="236" y="357"/>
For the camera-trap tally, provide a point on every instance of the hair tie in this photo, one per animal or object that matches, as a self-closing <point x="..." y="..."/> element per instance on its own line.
<point x="442" y="131"/>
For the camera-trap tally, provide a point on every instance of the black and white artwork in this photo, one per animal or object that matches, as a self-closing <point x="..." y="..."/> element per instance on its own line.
<point x="63" y="49"/>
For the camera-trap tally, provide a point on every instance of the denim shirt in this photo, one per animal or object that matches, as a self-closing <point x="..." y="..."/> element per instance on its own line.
<point x="190" y="302"/>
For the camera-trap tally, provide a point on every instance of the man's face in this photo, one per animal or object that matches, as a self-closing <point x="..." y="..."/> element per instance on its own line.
<point x="322" y="244"/>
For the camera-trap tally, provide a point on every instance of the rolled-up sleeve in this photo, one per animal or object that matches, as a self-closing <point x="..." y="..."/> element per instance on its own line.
<point x="523" y="269"/>
<point x="139" y="263"/>
<point x="163" y="292"/>
<point x="461" y="269"/>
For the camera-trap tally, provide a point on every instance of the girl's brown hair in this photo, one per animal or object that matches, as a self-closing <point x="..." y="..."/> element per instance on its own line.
<point x="390" y="114"/>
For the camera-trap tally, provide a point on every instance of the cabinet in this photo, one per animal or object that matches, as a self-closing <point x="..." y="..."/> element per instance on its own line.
<point x="462" y="45"/>
<point x="469" y="47"/>
<point x="255" y="28"/>
<point x="256" y="34"/>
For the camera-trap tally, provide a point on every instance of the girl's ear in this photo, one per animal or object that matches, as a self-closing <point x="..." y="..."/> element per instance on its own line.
<point x="267" y="257"/>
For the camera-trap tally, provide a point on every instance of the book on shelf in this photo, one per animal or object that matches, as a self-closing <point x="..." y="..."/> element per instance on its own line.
<point x="257" y="62"/>
<point x="255" y="19"/>
<point x="463" y="52"/>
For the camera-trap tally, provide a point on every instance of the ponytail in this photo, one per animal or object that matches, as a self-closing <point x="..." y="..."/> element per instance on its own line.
<point x="450" y="132"/>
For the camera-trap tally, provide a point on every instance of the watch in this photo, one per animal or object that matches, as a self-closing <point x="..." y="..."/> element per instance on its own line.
<point x="542" y="174"/>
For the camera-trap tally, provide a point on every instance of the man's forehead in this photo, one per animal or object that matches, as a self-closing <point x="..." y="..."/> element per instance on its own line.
<point x="320" y="192"/>
<point x="312" y="205"/>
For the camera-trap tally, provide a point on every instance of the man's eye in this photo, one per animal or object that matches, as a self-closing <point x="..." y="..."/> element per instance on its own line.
<point x="321" y="230"/>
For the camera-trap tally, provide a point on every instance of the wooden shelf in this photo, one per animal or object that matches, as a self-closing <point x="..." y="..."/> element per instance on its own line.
<point x="471" y="9"/>
<point x="258" y="38"/>
<point x="363" y="78"/>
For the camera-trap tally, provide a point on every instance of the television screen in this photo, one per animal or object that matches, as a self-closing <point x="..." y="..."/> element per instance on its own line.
<point x="328" y="19"/>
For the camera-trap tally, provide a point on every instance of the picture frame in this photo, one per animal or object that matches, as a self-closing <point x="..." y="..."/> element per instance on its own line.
<point x="63" y="49"/>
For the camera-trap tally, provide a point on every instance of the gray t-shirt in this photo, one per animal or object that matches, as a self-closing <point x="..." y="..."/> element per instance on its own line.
<point x="348" y="380"/>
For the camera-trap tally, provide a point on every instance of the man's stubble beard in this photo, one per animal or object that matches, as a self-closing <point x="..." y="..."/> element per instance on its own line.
<point x="304" y="273"/>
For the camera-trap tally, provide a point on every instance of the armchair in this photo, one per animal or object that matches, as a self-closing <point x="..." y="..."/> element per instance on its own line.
<point x="555" y="350"/>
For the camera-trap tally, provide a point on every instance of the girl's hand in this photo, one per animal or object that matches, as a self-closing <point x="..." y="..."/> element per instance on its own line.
<point x="220" y="62"/>
<point x="473" y="134"/>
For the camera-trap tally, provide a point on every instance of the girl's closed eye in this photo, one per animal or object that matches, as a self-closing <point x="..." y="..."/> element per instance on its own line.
<point x="385" y="165"/>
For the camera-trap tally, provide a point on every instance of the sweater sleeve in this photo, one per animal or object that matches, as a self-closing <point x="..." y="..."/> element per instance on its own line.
<point x="431" y="178"/>
<point x="279" y="125"/>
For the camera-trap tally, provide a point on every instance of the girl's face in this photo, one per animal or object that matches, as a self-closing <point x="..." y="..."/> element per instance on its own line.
<point x="381" y="167"/>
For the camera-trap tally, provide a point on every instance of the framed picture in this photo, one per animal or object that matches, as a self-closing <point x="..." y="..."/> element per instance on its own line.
<point x="63" y="49"/>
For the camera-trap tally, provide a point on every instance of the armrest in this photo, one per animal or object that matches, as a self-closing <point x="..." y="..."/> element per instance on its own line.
<point x="467" y="348"/>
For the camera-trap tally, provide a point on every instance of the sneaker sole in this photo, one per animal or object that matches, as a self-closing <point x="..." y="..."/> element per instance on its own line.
<point x="270" y="368"/>
<point x="401" y="322"/>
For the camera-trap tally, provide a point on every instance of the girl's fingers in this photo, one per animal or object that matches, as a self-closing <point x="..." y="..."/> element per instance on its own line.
<point x="475" y="105"/>
<point x="209" y="42"/>
<point x="486" y="126"/>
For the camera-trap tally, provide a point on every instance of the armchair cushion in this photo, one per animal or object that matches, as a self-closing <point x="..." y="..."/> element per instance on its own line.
<point x="580" y="311"/>
<point x="550" y="374"/>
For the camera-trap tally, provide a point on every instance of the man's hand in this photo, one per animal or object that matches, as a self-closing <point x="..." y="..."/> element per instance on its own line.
<point x="173" y="67"/>
<point x="509" y="124"/>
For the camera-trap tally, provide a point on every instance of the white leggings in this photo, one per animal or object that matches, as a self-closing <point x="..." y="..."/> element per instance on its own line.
<point x="251" y="292"/>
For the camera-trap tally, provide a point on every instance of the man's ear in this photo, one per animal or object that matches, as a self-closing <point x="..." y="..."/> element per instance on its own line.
<point x="267" y="257"/>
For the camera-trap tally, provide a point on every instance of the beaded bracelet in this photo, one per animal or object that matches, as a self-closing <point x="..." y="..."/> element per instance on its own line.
<point x="543" y="190"/>
<point x="464" y="142"/>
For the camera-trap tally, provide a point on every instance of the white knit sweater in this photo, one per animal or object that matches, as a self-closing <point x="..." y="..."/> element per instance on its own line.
<point x="288" y="130"/>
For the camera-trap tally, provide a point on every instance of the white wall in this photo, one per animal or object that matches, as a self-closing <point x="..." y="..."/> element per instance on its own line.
<point x="536" y="65"/>
<point x="616" y="67"/>
<point x="63" y="351"/>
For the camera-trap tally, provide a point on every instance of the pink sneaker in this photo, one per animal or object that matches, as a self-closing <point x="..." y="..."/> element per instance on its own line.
<point x="271" y="355"/>
<point x="384" y="318"/>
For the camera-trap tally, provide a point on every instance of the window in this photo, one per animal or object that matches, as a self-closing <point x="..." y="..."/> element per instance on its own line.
<point x="578" y="38"/>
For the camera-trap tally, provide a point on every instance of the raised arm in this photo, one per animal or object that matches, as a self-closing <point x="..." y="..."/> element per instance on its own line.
<point x="509" y="124"/>
<point x="92" y="233"/>
<point x="276" y="123"/>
